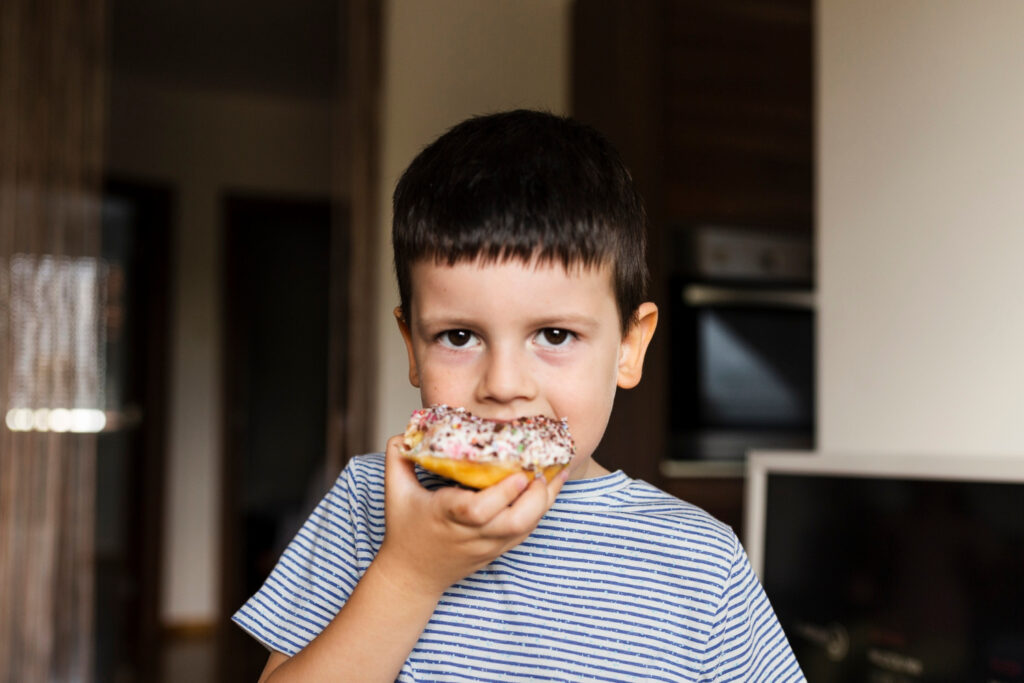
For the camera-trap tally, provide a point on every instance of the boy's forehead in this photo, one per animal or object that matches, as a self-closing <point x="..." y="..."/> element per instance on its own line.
<point x="507" y="278"/>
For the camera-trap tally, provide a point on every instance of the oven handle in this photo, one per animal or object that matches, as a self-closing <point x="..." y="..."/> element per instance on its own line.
<point x="704" y="295"/>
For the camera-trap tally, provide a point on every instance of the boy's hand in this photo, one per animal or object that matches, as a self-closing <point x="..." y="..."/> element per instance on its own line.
<point x="435" y="538"/>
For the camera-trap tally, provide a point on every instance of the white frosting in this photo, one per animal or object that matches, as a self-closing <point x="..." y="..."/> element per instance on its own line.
<point x="532" y="442"/>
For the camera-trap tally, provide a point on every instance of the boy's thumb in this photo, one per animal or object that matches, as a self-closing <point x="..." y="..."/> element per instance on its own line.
<point x="399" y="471"/>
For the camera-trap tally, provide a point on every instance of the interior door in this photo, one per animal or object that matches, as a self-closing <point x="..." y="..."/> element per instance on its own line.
<point x="275" y="357"/>
<point x="130" y="455"/>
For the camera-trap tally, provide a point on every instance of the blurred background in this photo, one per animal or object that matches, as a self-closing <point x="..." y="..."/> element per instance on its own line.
<point x="196" y="285"/>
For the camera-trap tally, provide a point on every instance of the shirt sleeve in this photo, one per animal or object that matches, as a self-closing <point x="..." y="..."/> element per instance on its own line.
<point x="321" y="566"/>
<point x="747" y="642"/>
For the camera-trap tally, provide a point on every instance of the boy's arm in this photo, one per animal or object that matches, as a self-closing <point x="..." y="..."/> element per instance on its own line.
<point x="432" y="539"/>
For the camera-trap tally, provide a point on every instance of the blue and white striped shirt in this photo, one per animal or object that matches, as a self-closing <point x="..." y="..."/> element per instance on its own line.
<point x="619" y="582"/>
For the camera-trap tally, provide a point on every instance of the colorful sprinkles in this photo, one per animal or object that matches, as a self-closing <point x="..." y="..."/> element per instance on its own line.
<point x="532" y="442"/>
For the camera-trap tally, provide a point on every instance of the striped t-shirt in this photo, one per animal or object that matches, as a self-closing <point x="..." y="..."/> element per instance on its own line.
<point x="619" y="582"/>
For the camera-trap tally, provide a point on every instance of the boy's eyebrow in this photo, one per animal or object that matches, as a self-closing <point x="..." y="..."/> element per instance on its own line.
<point x="422" y="323"/>
<point x="567" y="320"/>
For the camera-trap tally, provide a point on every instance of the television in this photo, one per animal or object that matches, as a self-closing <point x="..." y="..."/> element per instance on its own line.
<point x="892" y="569"/>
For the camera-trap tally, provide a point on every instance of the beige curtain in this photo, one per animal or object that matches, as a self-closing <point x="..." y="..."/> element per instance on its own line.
<point x="52" y="80"/>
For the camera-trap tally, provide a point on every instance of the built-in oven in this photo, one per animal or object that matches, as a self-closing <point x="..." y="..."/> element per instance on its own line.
<point x="742" y="336"/>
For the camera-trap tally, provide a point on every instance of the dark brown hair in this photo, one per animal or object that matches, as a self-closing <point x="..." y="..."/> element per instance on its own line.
<point x="522" y="185"/>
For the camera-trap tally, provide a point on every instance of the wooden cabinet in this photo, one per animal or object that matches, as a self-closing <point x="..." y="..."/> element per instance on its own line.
<point x="710" y="103"/>
<point x="738" y="111"/>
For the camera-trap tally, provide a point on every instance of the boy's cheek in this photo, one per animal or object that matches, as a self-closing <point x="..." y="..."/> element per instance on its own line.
<point x="451" y="375"/>
<point x="444" y="385"/>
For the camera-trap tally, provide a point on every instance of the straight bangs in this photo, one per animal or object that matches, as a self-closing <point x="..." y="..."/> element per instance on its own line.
<point x="486" y="244"/>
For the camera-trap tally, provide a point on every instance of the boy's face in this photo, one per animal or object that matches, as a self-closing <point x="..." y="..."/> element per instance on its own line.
<point x="506" y="340"/>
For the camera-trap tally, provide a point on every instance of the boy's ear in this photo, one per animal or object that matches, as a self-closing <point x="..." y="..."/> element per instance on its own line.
<point x="403" y="326"/>
<point x="634" y="345"/>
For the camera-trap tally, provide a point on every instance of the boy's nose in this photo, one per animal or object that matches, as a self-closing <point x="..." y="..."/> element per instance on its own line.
<point x="506" y="378"/>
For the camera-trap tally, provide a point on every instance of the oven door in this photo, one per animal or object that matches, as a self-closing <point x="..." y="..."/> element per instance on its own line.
<point x="742" y="371"/>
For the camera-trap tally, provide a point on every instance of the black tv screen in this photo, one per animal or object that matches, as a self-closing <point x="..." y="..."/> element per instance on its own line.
<point x="893" y="579"/>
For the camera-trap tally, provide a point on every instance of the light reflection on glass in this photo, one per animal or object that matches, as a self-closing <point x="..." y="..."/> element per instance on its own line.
<point x="57" y="373"/>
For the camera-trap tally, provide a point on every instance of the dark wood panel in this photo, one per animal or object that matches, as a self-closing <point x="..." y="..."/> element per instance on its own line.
<point x="711" y="104"/>
<point x="739" y="114"/>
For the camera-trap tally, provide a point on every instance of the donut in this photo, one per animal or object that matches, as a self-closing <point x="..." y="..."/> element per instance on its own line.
<point x="477" y="452"/>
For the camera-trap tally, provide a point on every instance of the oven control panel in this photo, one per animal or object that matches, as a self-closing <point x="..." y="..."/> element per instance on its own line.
<point x="744" y="254"/>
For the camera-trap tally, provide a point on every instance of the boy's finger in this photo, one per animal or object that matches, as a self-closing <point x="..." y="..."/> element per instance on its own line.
<point x="555" y="485"/>
<point x="526" y="512"/>
<point x="522" y="516"/>
<point x="477" y="508"/>
<point x="399" y="472"/>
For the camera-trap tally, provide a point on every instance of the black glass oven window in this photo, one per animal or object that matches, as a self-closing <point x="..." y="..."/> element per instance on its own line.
<point x="756" y="368"/>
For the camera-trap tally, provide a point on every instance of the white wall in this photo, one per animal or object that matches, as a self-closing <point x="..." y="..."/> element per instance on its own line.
<point x="203" y="144"/>
<point x="445" y="60"/>
<point x="921" y="225"/>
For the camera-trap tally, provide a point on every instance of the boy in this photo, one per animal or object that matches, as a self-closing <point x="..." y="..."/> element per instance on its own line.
<point x="519" y="249"/>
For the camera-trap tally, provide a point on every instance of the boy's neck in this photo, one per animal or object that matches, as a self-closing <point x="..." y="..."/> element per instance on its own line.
<point x="591" y="469"/>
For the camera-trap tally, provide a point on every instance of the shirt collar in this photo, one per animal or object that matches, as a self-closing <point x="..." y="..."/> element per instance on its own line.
<point x="580" y="489"/>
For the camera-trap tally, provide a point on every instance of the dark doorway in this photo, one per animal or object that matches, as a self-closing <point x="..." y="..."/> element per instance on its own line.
<point x="130" y="463"/>
<point x="275" y="358"/>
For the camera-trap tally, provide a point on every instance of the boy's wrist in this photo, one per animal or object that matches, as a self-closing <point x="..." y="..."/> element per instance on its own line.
<point x="406" y="582"/>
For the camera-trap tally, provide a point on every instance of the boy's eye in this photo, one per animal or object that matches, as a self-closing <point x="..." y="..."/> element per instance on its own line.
<point x="554" y="336"/>
<point x="457" y="338"/>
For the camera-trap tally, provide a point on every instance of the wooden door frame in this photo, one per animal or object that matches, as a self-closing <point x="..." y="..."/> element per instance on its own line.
<point x="352" y="385"/>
